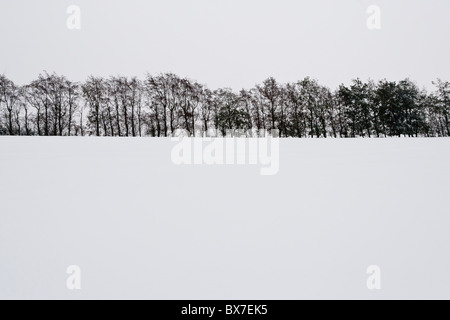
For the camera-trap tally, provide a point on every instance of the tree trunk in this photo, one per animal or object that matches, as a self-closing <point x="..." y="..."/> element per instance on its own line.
<point x="10" y="129"/>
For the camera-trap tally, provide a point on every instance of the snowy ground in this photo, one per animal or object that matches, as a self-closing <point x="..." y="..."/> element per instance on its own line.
<point x="141" y="227"/>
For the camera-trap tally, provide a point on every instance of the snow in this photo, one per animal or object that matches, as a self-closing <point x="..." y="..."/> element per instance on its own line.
<point x="140" y="226"/>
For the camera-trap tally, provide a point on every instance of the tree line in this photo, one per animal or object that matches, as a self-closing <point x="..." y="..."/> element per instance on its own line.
<point x="160" y="104"/>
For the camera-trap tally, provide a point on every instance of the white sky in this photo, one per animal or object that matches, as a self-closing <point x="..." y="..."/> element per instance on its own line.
<point x="228" y="43"/>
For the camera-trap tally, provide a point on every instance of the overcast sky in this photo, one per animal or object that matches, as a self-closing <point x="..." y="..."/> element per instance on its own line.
<point x="228" y="43"/>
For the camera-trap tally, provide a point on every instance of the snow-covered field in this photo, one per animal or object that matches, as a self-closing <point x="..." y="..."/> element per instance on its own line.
<point x="139" y="226"/>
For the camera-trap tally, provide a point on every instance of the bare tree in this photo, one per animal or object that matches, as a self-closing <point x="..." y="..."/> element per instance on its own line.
<point x="271" y="94"/>
<point x="442" y="98"/>
<point x="96" y="97"/>
<point x="10" y="96"/>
